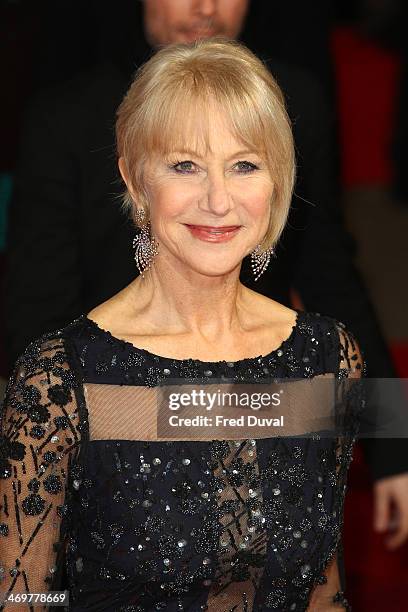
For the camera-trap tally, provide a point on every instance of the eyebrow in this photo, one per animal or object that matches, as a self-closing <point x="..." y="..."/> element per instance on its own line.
<point x="237" y="154"/>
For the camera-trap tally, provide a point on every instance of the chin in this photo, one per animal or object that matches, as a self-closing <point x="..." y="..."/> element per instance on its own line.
<point x="214" y="271"/>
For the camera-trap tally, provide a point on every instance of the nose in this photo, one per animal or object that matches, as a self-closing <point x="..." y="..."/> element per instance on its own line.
<point x="206" y="8"/>
<point x="217" y="199"/>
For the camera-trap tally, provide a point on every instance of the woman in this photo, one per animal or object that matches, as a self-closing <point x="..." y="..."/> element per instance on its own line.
<point x="140" y="521"/>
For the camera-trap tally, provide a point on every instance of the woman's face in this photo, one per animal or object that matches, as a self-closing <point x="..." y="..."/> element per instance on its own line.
<point x="192" y="198"/>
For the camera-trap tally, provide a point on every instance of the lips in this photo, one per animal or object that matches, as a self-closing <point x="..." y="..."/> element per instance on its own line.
<point x="209" y="228"/>
<point x="213" y="233"/>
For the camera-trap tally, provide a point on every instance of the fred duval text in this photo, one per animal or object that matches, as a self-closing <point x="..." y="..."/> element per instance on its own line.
<point x="249" y="420"/>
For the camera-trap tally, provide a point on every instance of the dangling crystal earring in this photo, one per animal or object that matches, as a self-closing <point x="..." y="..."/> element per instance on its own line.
<point x="146" y="248"/>
<point x="260" y="261"/>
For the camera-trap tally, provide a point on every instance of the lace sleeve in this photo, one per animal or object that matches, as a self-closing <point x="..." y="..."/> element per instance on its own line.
<point x="39" y="443"/>
<point x="351" y="360"/>
<point x="350" y="398"/>
<point x="328" y="593"/>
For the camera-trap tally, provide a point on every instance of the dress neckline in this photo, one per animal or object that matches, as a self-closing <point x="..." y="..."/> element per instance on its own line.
<point x="162" y="358"/>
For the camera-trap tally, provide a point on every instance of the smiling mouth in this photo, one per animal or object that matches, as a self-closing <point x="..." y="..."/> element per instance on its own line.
<point x="214" y="230"/>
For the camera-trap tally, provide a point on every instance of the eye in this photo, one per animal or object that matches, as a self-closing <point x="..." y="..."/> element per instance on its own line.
<point x="246" y="167"/>
<point x="183" y="167"/>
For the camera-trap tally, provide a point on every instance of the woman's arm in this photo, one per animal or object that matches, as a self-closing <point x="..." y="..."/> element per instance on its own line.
<point x="39" y="444"/>
<point x="327" y="596"/>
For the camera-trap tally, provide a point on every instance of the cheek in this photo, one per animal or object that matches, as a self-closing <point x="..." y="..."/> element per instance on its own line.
<point x="256" y="197"/>
<point x="168" y="198"/>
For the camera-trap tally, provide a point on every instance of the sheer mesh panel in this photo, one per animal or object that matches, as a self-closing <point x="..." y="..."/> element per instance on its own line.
<point x="307" y="406"/>
<point x="137" y="407"/>
<point x="236" y="524"/>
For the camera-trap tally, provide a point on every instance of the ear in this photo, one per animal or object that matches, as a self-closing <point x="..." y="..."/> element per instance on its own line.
<point x="125" y="176"/>
<point x="123" y="171"/>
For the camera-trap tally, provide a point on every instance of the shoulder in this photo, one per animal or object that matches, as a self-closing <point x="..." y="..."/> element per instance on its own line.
<point x="41" y="417"/>
<point x="49" y="352"/>
<point x="337" y="341"/>
<point x="48" y="346"/>
<point x="42" y="387"/>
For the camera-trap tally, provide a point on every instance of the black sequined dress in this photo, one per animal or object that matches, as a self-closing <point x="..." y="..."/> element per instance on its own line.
<point x="139" y="525"/>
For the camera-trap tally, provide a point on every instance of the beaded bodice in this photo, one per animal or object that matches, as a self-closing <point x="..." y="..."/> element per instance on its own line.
<point x="92" y="502"/>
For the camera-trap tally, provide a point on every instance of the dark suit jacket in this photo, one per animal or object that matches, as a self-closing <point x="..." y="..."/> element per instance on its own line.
<point x="70" y="247"/>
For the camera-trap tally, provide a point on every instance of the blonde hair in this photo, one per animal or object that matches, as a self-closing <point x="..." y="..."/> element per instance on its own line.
<point x="176" y="86"/>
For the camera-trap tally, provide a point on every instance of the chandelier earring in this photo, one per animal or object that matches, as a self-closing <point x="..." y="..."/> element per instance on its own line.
<point x="260" y="260"/>
<point x="146" y="247"/>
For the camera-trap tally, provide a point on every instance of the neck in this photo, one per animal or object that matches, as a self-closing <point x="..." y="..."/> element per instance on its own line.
<point x="177" y="300"/>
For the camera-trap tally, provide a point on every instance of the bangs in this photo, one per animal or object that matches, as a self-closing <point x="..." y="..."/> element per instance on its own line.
<point x="182" y="121"/>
